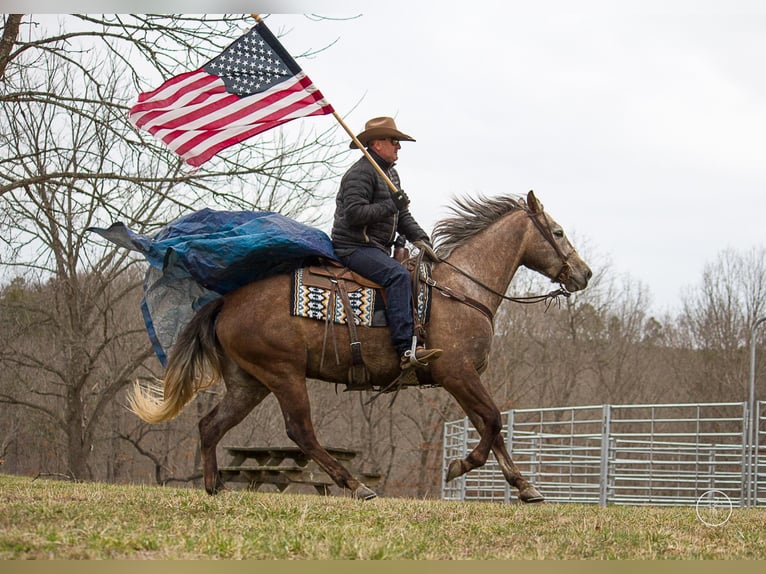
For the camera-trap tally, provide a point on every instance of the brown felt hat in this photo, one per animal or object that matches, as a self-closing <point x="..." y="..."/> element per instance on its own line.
<point x="380" y="128"/>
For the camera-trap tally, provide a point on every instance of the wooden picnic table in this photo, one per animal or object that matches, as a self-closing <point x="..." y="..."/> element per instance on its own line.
<point x="282" y="466"/>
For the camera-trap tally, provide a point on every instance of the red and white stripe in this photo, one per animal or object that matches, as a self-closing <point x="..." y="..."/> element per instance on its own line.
<point x="196" y="117"/>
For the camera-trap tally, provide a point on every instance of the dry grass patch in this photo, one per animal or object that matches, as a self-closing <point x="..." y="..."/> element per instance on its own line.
<point x="52" y="519"/>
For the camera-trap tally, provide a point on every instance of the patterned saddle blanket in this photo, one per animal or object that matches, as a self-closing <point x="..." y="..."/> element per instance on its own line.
<point x="314" y="296"/>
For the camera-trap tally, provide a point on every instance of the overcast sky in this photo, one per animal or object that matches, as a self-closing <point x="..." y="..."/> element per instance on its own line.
<point x="640" y="125"/>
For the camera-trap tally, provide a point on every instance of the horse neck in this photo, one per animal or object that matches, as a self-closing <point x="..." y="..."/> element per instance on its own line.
<point x="491" y="257"/>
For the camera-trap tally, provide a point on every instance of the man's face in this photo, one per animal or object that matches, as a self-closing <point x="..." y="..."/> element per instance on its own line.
<point x="387" y="148"/>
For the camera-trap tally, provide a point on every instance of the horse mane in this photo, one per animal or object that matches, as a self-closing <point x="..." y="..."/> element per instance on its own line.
<point x="470" y="217"/>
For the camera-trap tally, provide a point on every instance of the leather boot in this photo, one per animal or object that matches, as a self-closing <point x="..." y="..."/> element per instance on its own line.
<point x="421" y="358"/>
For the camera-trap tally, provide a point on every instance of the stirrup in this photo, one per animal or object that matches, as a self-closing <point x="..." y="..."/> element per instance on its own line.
<point x="410" y="357"/>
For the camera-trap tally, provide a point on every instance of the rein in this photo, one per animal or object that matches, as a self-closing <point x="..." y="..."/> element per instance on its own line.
<point x="561" y="276"/>
<point x="549" y="297"/>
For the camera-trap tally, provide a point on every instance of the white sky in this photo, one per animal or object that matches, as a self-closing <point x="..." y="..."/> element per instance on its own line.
<point x="640" y="125"/>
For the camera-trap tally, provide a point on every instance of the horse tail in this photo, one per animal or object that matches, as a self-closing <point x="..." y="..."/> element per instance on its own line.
<point x="194" y="364"/>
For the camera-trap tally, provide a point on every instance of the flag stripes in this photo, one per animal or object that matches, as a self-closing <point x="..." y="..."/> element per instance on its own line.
<point x="199" y="113"/>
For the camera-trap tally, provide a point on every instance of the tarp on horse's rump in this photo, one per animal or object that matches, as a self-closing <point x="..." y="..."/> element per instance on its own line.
<point x="209" y="253"/>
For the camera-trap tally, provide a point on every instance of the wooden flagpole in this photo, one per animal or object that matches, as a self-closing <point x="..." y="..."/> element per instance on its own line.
<point x="380" y="171"/>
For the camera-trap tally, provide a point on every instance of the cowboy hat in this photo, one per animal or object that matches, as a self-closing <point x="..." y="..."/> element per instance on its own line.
<point x="380" y="128"/>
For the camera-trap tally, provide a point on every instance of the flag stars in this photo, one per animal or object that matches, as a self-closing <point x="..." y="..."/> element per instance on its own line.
<point x="249" y="66"/>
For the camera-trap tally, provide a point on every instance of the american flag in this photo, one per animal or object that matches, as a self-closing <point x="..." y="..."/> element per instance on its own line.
<point x="253" y="86"/>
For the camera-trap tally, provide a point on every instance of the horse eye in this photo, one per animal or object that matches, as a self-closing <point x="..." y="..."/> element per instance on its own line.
<point x="558" y="233"/>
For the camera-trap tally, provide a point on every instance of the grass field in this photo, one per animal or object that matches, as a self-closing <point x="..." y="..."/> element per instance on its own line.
<point x="48" y="519"/>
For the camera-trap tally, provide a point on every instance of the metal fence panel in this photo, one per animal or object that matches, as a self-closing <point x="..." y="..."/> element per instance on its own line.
<point x="758" y="483"/>
<point x="664" y="454"/>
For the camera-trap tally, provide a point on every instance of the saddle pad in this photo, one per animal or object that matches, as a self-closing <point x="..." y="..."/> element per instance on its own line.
<point x="315" y="302"/>
<point x="310" y="299"/>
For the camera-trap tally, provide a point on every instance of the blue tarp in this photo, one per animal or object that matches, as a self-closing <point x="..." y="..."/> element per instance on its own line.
<point x="209" y="253"/>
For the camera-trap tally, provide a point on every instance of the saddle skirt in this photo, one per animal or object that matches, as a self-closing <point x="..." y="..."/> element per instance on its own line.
<point x="314" y="295"/>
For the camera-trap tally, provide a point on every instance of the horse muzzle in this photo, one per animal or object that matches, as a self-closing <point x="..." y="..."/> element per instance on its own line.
<point x="574" y="277"/>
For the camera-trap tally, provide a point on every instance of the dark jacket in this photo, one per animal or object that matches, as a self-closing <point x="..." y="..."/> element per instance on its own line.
<point x="365" y="214"/>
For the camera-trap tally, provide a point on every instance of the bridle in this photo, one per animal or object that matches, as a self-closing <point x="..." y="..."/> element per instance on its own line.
<point x="544" y="227"/>
<point x="545" y="230"/>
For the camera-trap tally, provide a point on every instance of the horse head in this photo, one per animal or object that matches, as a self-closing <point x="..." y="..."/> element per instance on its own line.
<point x="550" y="253"/>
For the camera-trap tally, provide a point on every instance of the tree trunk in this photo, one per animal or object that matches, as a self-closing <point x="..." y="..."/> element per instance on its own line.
<point x="10" y="33"/>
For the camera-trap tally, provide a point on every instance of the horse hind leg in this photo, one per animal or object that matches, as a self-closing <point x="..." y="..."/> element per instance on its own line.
<point x="243" y="394"/>
<point x="294" y="401"/>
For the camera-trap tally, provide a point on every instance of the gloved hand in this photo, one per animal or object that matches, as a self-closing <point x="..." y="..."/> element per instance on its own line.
<point x="401" y="201"/>
<point x="425" y="246"/>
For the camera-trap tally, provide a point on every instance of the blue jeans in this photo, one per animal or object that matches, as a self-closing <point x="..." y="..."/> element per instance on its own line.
<point x="374" y="264"/>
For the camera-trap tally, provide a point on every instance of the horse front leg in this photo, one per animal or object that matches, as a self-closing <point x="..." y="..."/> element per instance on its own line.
<point x="527" y="492"/>
<point x="485" y="417"/>
<point x="481" y="411"/>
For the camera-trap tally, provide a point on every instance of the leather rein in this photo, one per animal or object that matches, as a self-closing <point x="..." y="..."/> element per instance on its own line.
<point x="561" y="276"/>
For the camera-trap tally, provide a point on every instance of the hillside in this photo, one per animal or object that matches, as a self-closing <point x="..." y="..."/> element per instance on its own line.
<point x="47" y="519"/>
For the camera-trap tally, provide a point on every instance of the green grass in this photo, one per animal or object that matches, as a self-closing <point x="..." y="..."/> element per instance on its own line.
<point x="47" y="519"/>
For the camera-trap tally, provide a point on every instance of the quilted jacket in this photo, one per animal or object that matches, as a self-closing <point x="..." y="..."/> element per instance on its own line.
<point x="365" y="214"/>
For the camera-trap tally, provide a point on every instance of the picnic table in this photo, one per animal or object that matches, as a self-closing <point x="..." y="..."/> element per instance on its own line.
<point x="283" y="466"/>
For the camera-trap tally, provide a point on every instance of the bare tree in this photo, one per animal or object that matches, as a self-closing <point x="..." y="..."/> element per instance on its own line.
<point x="72" y="161"/>
<point x="583" y="349"/>
<point x="716" y="320"/>
<point x="419" y="424"/>
<point x="11" y="25"/>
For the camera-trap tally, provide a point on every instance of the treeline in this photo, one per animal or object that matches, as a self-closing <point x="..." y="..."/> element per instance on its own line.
<point x="605" y="345"/>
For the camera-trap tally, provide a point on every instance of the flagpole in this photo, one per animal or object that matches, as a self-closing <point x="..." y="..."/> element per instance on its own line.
<point x="374" y="163"/>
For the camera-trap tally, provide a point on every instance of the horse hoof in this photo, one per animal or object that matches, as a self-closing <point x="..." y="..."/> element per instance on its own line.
<point x="364" y="493"/>
<point x="219" y="486"/>
<point x="455" y="469"/>
<point x="530" y="495"/>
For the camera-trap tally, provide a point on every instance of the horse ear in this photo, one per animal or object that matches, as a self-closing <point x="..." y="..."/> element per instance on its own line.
<point x="532" y="202"/>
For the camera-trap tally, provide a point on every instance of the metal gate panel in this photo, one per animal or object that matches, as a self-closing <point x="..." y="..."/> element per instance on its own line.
<point x="759" y="480"/>
<point x="665" y="454"/>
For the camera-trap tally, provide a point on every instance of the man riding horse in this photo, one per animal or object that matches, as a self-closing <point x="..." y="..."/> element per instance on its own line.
<point x="367" y="218"/>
